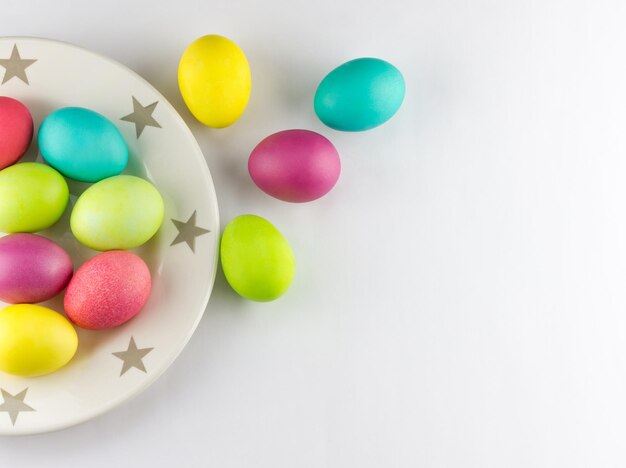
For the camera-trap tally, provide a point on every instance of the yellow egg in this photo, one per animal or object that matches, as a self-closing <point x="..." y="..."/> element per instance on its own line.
<point x="214" y="79"/>
<point x="34" y="340"/>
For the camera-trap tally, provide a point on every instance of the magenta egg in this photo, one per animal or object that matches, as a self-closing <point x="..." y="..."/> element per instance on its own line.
<point x="16" y="130"/>
<point x="32" y="268"/>
<point x="295" y="165"/>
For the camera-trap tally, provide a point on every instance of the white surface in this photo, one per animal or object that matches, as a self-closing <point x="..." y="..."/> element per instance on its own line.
<point x="459" y="299"/>
<point x="66" y="75"/>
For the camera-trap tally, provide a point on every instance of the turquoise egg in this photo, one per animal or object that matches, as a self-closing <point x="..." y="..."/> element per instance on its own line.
<point x="82" y="144"/>
<point x="360" y="94"/>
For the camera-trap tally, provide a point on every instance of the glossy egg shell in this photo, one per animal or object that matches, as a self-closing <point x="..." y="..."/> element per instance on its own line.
<point x="359" y="95"/>
<point x="214" y="80"/>
<point x="35" y="340"/>
<point x="32" y="268"/>
<point x="82" y="144"/>
<point x="257" y="260"/>
<point x="121" y="212"/>
<point x="295" y="165"/>
<point x="33" y="197"/>
<point x="16" y="130"/>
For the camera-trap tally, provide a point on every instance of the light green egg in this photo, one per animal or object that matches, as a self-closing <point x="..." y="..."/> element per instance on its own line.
<point x="257" y="260"/>
<point x="33" y="197"/>
<point x="118" y="213"/>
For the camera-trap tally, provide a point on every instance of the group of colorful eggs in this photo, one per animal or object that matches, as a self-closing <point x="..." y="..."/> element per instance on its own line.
<point x="116" y="213"/>
<point x="291" y="165"/>
<point x="121" y="212"/>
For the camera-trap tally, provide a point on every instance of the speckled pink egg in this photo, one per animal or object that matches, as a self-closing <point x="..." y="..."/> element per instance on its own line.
<point x="107" y="290"/>
<point x="16" y="130"/>
<point x="32" y="268"/>
<point x="295" y="165"/>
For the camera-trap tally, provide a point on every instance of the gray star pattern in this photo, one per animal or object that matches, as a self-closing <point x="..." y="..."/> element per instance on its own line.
<point x="142" y="116"/>
<point x="14" y="404"/>
<point x="188" y="231"/>
<point x="15" y="66"/>
<point x="132" y="357"/>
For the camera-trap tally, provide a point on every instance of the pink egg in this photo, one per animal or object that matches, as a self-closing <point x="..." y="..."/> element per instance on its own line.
<point x="32" y="268"/>
<point x="107" y="290"/>
<point x="295" y="165"/>
<point x="16" y="130"/>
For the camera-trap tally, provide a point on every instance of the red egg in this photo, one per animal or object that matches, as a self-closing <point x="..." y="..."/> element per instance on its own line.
<point x="16" y="130"/>
<point x="107" y="290"/>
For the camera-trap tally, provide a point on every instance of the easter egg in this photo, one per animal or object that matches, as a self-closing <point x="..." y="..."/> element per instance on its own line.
<point x="214" y="80"/>
<point x="257" y="260"/>
<point x="107" y="290"/>
<point x="16" y="130"/>
<point x="359" y="95"/>
<point x="82" y="144"/>
<point x="34" y="340"/>
<point x="33" y="197"/>
<point x="295" y="165"/>
<point x="32" y="268"/>
<point x="118" y="213"/>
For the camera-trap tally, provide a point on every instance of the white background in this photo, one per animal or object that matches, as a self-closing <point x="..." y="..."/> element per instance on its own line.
<point x="460" y="295"/>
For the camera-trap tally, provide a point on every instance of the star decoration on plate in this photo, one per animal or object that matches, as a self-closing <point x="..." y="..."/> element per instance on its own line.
<point x="142" y="116"/>
<point x="15" y="66"/>
<point x="188" y="231"/>
<point x="132" y="357"/>
<point x="14" y="404"/>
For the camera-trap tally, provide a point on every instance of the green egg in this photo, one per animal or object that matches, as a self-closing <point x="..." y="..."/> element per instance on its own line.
<point x="118" y="213"/>
<point x="257" y="260"/>
<point x="33" y="197"/>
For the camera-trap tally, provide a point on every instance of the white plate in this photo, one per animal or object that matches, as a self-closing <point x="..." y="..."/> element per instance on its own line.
<point x="181" y="257"/>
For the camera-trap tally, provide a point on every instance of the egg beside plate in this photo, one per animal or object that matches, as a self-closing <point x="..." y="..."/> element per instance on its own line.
<point x="256" y="258"/>
<point x="359" y="95"/>
<point x="214" y="80"/>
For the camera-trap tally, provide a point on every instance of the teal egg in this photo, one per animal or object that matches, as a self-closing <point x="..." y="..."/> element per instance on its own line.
<point x="82" y="144"/>
<point x="360" y="94"/>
